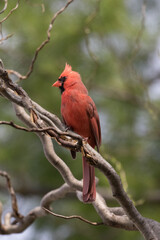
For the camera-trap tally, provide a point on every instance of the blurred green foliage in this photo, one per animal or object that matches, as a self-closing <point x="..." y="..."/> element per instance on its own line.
<point x="117" y="57"/>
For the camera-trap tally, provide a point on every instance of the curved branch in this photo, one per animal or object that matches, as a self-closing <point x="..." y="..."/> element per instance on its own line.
<point x="118" y="192"/>
<point x="5" y="6"/>
<point x="12" y="193"/>
<point x="5" y="38"/>
<point x="46" y="41"/>
<point x="12" y="10"/>
<point x="111" y="216"/>
<point x="73" y="217"/>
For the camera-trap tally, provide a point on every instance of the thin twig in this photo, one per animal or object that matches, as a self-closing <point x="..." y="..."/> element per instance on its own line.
<point x="73" y="217"/>
<point x="5" y="6"/>
<point x="59" y="136"/>
<point x="12" y="193"/>
<point x="12" y="10"/>
<point x="43" y="43"/>
<point x="12" y="124"/>
<point x="5" y="38"/>
<point x="17" y="74"/>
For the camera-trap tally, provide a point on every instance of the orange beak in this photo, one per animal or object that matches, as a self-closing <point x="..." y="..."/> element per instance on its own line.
<point x="56" y="84"/>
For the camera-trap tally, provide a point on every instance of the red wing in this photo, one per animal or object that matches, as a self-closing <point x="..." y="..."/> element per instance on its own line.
<point x="94" y="123"/>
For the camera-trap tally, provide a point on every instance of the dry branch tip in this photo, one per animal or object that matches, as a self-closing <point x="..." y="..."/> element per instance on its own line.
<point x="73" y="217"/>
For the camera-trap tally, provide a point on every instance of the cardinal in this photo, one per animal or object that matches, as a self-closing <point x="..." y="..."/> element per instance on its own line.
<point x="80" y="114"/>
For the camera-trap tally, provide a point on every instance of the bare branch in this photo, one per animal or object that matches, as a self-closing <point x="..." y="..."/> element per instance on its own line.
<point x="114" y="217"/>
<point x="17" y="74"/>
<point x="65" y="139"/>
<point x="42" y="45"/>
<point x="57" y="131"/>
<point x="118" y="192"/>
<point x="20" y="225"/>
<point x="5" y="38"/>
<point x="12" y="10"/>
<point x="5" y="6"/>
<point x="56" y="194"/>
<point x="12" y="193"/>
<point x="61" y="193"/>
<point x="73" y="217"/>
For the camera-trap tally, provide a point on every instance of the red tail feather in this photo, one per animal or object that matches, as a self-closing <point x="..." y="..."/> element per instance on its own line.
<point x="89" y="186"/>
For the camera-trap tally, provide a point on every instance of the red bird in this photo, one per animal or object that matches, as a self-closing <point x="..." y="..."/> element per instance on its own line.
<point x="80" y="115"/>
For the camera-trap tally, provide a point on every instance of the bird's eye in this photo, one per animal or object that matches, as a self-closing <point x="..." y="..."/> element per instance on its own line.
<point x="62" y="79"/>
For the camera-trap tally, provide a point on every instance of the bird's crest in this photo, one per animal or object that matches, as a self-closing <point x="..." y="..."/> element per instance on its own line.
<point x="67" y="70"/>
<point x="72" y="77"/>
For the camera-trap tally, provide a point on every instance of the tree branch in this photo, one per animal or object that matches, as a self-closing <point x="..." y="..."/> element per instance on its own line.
<point x="12" y="193"/>
<point x="5" y="6"/>
<point x="12" y="10"/>
<point x="5" y="38"/>
<point x="42" y="45"/>
<point x="73" y="217"/>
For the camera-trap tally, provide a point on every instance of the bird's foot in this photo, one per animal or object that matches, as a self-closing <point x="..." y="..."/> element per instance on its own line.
<point x="67" y="128"/>
<point x="90" y="160"/>
<point x="85" y="139"/>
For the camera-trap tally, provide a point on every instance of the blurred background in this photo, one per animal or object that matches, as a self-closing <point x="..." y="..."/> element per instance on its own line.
<point x="114" y="45"/>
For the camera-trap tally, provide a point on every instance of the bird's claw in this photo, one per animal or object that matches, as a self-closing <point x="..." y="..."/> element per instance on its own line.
<point x="85" y="139"/>
<point x="67" y="128"/>
<point x="90" y="160"/>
